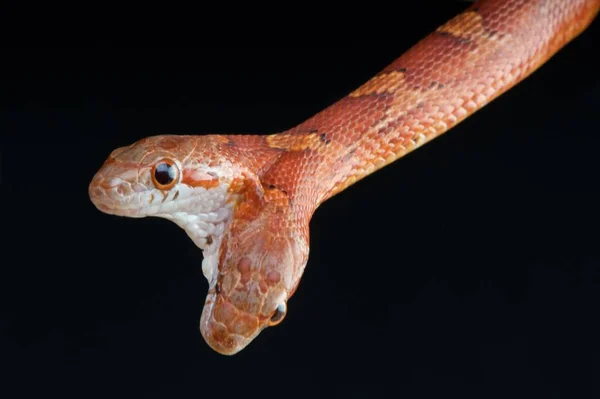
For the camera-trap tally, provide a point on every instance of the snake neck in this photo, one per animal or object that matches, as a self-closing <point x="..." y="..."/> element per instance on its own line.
<point x="446" y="77"/>
<point x="455" y="71"/>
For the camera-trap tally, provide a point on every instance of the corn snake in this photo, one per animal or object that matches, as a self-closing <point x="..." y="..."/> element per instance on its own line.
<point x="247" y="201"/>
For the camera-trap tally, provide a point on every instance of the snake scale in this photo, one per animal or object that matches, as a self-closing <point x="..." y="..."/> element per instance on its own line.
<point x="247" y="200"/>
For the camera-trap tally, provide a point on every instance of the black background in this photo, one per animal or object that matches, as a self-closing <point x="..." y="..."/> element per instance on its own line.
<point x="471" y="265"/>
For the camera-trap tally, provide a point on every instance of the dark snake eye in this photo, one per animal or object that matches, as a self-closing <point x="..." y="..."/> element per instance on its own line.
<point x="279" y="314"/>
<point x="165" y="174"/>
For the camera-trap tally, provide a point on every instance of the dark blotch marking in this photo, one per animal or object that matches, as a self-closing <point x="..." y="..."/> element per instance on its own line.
<point x="218" y="287"/>
<point x="313" y="130"/>
<point x="403" y="69"/>
<point x="274" y="187"/>
<point x="324" y="138"/>
<point x="491" y="33"/>
<point x="421" y="104"/>
<point x="434" y="84"/>
<point x="176" y="195"/>
<point x="209" y="240"/>
<point x="460" y="39"/>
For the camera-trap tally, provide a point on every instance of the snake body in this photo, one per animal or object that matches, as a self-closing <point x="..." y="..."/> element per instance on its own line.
<point x="247" y="200"/>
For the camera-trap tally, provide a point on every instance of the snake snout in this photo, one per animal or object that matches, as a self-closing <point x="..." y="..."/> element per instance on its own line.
<point x="220" y="339"/>
<point x="112" y="195"/>
<point x="225" y="328"/>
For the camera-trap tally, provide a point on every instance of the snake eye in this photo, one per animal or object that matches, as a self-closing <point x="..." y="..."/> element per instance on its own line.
<point x="279" y="314"/>
<point x="165" y="174"/>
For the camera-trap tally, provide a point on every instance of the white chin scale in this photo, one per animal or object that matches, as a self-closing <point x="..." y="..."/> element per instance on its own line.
<point x="203" y="214"/>
<point x="206" y="230"/>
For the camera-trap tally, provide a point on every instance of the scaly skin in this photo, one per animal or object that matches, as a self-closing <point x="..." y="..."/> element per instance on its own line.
<point x="247" y="201"/>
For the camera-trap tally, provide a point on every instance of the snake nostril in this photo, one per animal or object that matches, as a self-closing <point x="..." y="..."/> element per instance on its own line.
<point x="123" y="189"/>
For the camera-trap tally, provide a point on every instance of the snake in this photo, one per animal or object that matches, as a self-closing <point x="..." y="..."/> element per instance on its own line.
<point x="246" y="200"/>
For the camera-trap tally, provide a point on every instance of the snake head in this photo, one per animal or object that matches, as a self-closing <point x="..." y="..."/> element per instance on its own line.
<point x="261" y="261"/>
<point x="209" y="186"/>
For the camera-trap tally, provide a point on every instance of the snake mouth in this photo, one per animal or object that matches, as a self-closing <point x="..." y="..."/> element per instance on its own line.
<point x="112" y="210"/>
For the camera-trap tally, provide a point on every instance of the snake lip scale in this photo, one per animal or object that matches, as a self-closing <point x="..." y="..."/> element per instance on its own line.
<point x="247" y="200"/>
